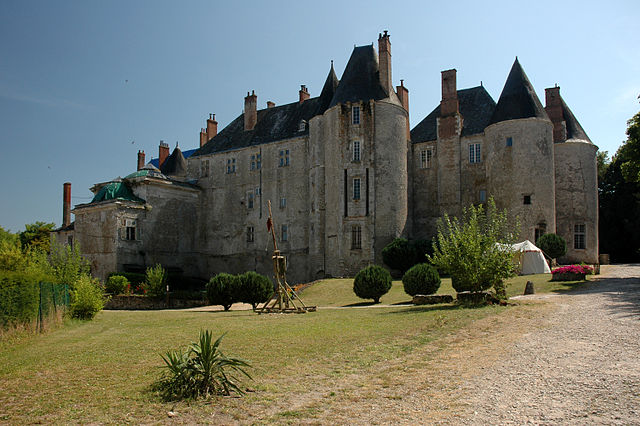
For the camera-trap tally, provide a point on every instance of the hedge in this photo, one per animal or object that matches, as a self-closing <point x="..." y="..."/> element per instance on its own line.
<point x="19" y="298"/>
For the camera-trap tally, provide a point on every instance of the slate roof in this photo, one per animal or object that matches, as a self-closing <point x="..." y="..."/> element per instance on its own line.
<point x="186" y="154"/>
<point x="174" y="165"/>
<point x="274" y="124"/>
<point x="476" y="108"/>
<point x="518" y="98"/>
<point x="574" y="129"/>
<point x="360" y="80"/>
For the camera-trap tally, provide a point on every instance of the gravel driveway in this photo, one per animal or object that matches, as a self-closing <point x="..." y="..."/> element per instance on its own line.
<point x="583" y="368"/>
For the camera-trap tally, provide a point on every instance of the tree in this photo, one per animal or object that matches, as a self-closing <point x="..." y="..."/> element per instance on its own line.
<point x="629" y="152"/>
<point x="603" y="162"/>
<point x="552" y="245"/>
<point x="254" y="288"/>
<point x="37" y="235"/>
<point x="401" y="254"/>
<point x="476" y="249"/>
<point x="421" y="279"/>
<point x="372" y="282"/>
<point x="67" y="263"/>
<point x="223" y="290"/>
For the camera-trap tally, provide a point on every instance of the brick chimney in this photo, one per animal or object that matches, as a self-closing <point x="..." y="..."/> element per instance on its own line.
<point x="270" y="104"/>
<point x="140" y="159"/>
<point x="203" y="136"/>
<point x="450" y="121"/>
<point x="554" y="111"/>
<point x="163" y="153"/>
<point x="66" y="204"/>
<point x="212" y="127"/>
<point x="250" y="111"/>
<point x="384" y="54"/>
<point x="403" y="96"/>
<point x="304" y="93"/>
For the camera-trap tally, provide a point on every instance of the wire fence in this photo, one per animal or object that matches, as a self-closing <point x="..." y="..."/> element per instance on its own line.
<point x="53" y="303"/>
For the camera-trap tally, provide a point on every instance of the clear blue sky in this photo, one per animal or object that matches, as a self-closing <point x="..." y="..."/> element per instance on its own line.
<point x="81" y="80"/>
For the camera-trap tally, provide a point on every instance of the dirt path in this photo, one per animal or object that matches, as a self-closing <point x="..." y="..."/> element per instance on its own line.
<point x="563" y="359"/>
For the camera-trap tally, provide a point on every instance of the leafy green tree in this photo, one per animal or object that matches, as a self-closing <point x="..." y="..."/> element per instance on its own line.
<point x="8" y="236"/>
<point x="254" y="288"/>
<point x="401" y="254"/>
<point x="67" y="263"/>
<point x="223" y="290"/>
<point x="552" y="245"/>
<point x="36" y="235"/>
<point x="372" y="282"/>
<point x="629" y="152"/>
<point x="475" y="249"/>
<point x="602" y="161"/>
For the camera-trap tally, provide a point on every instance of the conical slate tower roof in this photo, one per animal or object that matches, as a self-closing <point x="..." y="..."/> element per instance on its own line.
<point x="518" y="99"/>
<point x="175" y="164"/>
<point x="360" y="80"/>
<point x="328" y="90"/>
<point x="574" y="129"/>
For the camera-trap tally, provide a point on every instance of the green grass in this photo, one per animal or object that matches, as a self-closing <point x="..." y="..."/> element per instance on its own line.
<point x="101" y="371"/>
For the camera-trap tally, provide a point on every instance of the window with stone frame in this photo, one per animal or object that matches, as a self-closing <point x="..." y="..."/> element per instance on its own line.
<point x="355" y="151"/>
<point x="526" y="200"/>
<point x="475" y="153"/>
<point x="509" y="141"/>
<point x="540" y="230"/>
<point x="129" y="230"/>
<point x="482" y="196"/>
<point x="231" y="165"/>
<point x="356" y="237"/>
<point x="355" y="115"/>
<point x="250" y="199"/>
<point x="356" y="188"/>
<point x="283" y="202"/>
<point x="284" y="233"/>
<point x="284" y="158"/>
<point x="579" y="237"/>
<point x="425" y="158"/>
<point x="250" y="234"/>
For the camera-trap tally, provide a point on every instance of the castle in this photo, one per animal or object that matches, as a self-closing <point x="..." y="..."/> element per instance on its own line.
<point x="345" y="176"/>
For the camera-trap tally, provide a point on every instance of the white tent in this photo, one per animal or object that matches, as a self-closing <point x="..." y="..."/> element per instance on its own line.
<point x="531" y="258"/>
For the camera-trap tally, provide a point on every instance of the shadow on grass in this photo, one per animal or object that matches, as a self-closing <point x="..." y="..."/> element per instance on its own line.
<point x="352" y="305"/>
<point x="426" y="308"/>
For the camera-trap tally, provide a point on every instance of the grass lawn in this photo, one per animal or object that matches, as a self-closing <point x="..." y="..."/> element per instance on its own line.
<point x="100" y="371"/>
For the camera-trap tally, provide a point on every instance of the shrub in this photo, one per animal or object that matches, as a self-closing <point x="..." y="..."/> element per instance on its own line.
<point x="398" y="254"/>
<point x="420" y="249"/>
<point x="223" y="290"/>
<point x="134" y="278"/>
<point x="573" y="269"/>
<point x="552" y="245"/>
<point x="372" y="283"/>
<point x="155" y="280"/>
<point x="116" y="284"/>
<point x="67" y="263"/>
<point x="87" y="298"/>
<point x="201" y="371"/>
<point x="19" y="298"/>
<point x="254" y="288"/>
<point x="421" y="279"/>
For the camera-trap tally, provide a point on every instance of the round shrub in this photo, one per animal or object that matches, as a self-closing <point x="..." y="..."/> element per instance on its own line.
<point x="116" y="284"/>
<point x="372" y="283"/>
<point x="552" y="245"/>
<point x="254" y="288"/>
<point x="223" y="290"/>
<point x="421" y="279"/>
<point x="398" y="254"/>
<point x="87" y="298"/>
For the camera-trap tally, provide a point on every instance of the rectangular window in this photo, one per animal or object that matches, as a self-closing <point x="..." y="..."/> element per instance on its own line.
<point x="205" y="168"/>
<point x="356" y="188"/>
<point x="284" y="158"/>
<point x="355" y="115"/>
<point x="253" y="163"/>
<point x="526" y="200"/>
<point x="509" y="141"/>
<point x="482" y="195"/>
<point x="250" y="234"/>
<point x="283" y="202"/>
<point x="356" y="151"/>
<point x="540" y="230"/>
<point x="284" y="233"/>
<point x="579" y="237"/>
<point x="425" y="158"/>
<point x="250" y="197"/>
<point x="356" y="237"/>
<point x="231" y="165"/>
<point x="130" y="229"/>
<point x="474" y="153"/>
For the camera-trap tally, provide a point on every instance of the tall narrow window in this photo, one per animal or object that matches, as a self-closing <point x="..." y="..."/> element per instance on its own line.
<point x="425" y="158"/>
<point x="231" y="165"/>
<point x="474" y="153"/>
<point x="284" y="158"/>
<point x="509" y="141"/>
<point x="205" y="168"/>
<point x="283" y="202"/>
<point x="355" y="115"/>
<point x="130" y="229"/>
<point x="250" y="197"/>
<point x="250" y="234"/>
<point x="356" y="237"/>
<point x="356" y="151"/>
<point x="482" y="195"/>
<point x="356" y="188"/>
<point x="579" y="234"/>
<point x="258" y="161"/>
<point x="253" y="162"/>
<point x="284" y="233"/>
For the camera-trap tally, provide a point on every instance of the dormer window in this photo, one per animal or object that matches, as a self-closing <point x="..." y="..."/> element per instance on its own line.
<point x="355" y="115"/>
<point x="302" y="126"/>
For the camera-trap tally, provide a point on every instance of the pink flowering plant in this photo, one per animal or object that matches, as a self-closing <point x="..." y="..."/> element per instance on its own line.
<point x="573" y="269"/>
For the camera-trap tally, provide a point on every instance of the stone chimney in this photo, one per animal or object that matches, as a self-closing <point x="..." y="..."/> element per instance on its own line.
<point x="66" y="204"/>
<point x="270" y="104"/>
<point x="403" y="96"/>
<point x="250" y="111"/>
<point x="304" y="93"/>
<point x="450" y="121"/>
<point x="554" y="111"/>
<point x="384" y="55"/>
<point x="140" y="159"/>
<point x="203" y="136"/>
<point x="212" y="127"/>
<point x="163" y="153"/>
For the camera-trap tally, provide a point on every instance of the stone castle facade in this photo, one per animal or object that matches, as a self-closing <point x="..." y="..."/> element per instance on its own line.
<point x="345" y="176"/>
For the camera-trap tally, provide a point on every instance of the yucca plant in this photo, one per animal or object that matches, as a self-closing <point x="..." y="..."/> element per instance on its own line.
<point x="201" y="371"/>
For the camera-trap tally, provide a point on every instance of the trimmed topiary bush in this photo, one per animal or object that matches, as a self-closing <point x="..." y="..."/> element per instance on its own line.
<point x="552" y="245"/>
<point x="254" y="288"/>
<point x="223" y="290"/>
<point x="372" y="282"/>
<point x="421" y="279"/>
<point x="116" y="284"/>
<point x="87" y="298"/>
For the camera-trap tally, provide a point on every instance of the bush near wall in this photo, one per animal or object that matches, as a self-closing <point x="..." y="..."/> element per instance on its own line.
<point x="421" y="279"/>
<point x="19" y="298"/>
